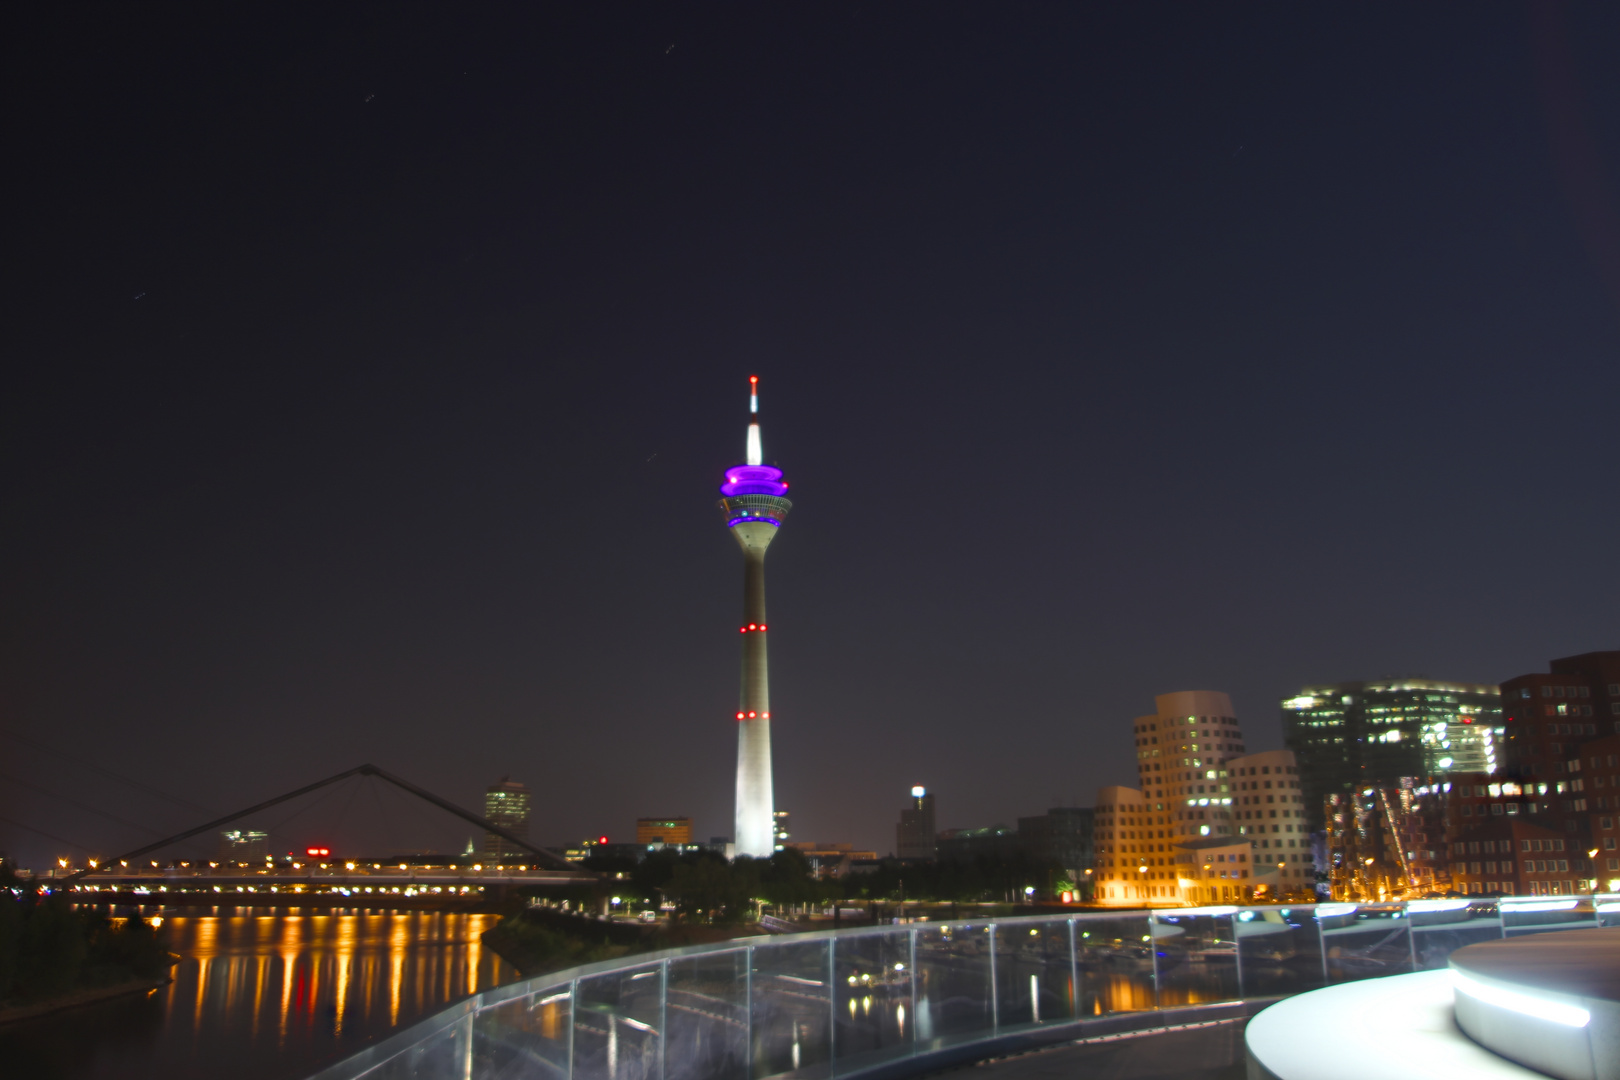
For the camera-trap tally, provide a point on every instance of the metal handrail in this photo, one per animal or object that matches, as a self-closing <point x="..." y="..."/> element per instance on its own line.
<point x="1159" y="965"/>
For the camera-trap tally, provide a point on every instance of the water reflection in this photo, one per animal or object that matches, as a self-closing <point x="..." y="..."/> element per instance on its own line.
<point x="262" y="994"/>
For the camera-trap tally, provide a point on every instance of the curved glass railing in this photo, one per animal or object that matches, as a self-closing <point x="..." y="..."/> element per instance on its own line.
<point x="890" y="999"/>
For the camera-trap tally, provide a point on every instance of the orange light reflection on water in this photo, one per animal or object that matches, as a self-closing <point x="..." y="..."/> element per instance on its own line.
<point x="319" y="984"/>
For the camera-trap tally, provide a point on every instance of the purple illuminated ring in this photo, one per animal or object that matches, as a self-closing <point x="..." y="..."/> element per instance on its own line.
<point x="753" y="480"/>
<point x="745" y="518"/>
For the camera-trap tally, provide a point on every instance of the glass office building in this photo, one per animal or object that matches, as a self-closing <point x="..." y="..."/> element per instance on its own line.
<point x="1371" y="734"/>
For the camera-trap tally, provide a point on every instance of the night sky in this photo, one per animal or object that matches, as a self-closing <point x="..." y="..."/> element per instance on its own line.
<point x="370" y="373"/>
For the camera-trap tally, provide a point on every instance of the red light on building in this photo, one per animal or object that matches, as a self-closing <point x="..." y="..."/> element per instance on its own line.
<point x="317" y="852"/>
<point x="601" y="839"/>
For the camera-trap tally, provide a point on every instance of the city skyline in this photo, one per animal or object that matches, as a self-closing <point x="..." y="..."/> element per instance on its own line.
<point x="374" y="379"/>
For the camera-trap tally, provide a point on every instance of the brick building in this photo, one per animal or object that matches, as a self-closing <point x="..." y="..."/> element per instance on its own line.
<point x="1546" y="716"/>
<point x="1517" y="857"/>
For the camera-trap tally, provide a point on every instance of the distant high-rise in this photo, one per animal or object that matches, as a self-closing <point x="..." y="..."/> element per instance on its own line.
<point x="914" y="837"/>
<point x="754" y="503"/>
<point x="665" y="830"/>
<point x="242" y="845"/>
<point x="783" y="820"/>
<point x="1373" y="734"/>
<point x="506" y="804"/>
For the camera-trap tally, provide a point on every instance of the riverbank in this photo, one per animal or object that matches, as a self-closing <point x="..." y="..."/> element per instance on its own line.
<point x="75" y="999"/>
<point x="539" y="940"/>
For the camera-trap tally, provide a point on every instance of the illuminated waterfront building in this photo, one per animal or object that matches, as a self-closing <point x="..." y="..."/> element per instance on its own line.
<point x="1388" y="842"/>
<point x="1519" y="857"/>
<point x="1353" y="735"/>
<point x="1131" y="839"/>
<point x="1269" y="808"/>
<point x="665" y="830"/>
<point x="1219" y="869"/>
<point x="914" y="837"/>
<point x="506" y="803"/>
<point x="1182" y="751"/>
<point x="754" y="502"/>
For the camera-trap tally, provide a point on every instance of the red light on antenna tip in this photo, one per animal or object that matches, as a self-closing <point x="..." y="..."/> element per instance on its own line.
<point x="753" y="378"/>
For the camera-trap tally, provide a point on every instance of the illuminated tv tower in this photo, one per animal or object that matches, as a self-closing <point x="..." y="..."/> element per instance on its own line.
<point x="754" y="504"/>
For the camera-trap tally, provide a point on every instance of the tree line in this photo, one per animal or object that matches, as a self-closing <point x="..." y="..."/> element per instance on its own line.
<point x="47" y="948"/>
<point x="705" y="887"/>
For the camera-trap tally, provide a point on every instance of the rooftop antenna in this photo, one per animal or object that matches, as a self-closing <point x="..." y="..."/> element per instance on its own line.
<point x="756" y="451"/>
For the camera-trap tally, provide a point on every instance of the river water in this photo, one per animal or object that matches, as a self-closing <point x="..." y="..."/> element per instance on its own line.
<point x="265" y="995"/>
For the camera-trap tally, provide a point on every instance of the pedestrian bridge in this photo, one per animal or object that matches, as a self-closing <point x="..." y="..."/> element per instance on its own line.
<point x="893" y="1001"/>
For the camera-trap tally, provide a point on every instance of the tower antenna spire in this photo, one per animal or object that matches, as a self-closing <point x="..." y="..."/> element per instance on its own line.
<point x="756" y="449"/>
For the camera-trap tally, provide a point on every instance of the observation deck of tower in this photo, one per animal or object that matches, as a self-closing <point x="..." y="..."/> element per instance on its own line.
<point x="754" y="503"/>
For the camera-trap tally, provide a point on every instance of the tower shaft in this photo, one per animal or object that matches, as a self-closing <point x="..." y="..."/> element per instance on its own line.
<point x="756" y="827"/>
<point x="754" y="505"/>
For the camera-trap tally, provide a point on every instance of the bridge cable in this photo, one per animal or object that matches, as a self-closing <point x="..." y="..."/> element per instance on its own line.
<point x="467" y="815"/>
<point x="81" y="763"/>
<point x="76" y="804"/>
<point x="273" y="830"/>
<point x="46" y="835"/>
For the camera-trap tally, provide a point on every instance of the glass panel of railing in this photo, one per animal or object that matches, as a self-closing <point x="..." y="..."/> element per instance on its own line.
<point x="1363" y="941"/>
<point x="1539" y="914"/>
<point x="954" y="996"/>
<point x="1440" y="927"/>
<point x="874" y="1015"/>
<point x="1034" y="976"/>
<point x="524" y="1037"/>
<point x="791" y="1008"/>
<point x="617" y="1025"/>
<point x="442" y="1056"/>
<point x="706" y="1017"/>
<point x="1606" y="906"/>
<point x="1197" y="961"/>
<point x="1115" y="957"/>
<point x="1279" y="950"/>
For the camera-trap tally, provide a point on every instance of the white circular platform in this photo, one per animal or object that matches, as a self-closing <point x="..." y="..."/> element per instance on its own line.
<point x="1549" y="1001"/>
<point x="1397" y="1028"/>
